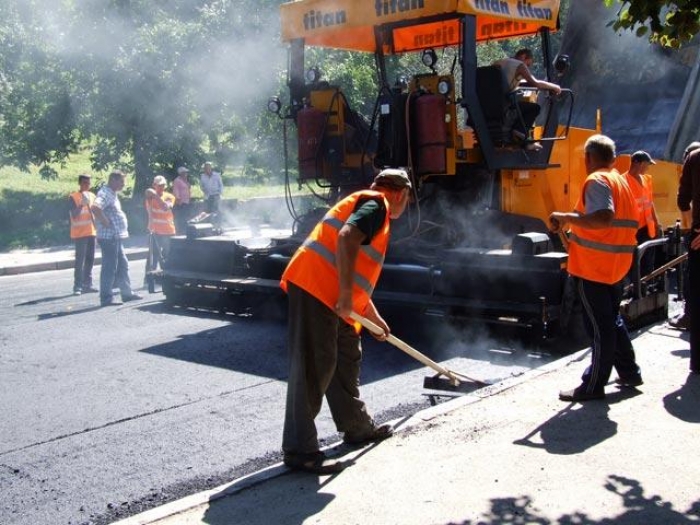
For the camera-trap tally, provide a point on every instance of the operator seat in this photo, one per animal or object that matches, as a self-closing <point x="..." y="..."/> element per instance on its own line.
<point x="498" y="104"/>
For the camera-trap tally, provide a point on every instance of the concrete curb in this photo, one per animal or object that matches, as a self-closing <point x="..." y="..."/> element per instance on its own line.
<point x="65" y="263"/>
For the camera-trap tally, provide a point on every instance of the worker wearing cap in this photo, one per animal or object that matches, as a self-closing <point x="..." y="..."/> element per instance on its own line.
<point x="182" y="210"/>
<point x="602" y="242"/>
<point x="161" y="223"/>
<point x="83" y="233"/>
<point x="332" y="274"/>
<point x="641" y="185"/>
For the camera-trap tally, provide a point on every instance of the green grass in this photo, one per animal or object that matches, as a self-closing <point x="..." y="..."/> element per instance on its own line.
<point x="34" y="211"/>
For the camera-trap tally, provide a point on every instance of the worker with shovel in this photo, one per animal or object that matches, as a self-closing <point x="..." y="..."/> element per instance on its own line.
<point x="329" y="277"/>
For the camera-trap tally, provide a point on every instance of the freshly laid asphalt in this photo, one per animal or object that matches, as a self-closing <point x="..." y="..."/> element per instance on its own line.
<point x="510" y="453"/>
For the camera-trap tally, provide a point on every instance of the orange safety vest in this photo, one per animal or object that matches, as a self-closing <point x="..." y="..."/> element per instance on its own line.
<point x="644" y="196"/>
<point x="313" y="266"/>
<point x="82" y="225"/>
<point x="605" y="255"/>
<point x="160" y="218"/>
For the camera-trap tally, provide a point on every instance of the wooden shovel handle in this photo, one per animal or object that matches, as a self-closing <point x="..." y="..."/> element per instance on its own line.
<point x="405" y="347"/>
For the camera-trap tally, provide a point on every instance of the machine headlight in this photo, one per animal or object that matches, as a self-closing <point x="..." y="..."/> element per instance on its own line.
<point x="444" y="87"/>
<point x="313" y="75"/>
<point x="562" y="64"/>
<point x="274" y="105"/>
<point x="429" y="58"/>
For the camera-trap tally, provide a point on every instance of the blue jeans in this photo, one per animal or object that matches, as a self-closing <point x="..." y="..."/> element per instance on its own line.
<point x="114" y="270"/>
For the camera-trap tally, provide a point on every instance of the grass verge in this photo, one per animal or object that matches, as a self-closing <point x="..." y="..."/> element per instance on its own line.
<point x="34" y="211"/>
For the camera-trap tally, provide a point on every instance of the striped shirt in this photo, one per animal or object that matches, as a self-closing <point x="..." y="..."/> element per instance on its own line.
<point x="108" y="201"/>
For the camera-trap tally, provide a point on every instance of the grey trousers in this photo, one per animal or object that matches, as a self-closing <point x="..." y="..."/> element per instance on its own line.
<point x="324" y="359"/>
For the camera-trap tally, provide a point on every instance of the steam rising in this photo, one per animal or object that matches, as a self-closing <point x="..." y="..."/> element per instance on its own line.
<point x="223" y="57"/>
<point x="638" y="86"/>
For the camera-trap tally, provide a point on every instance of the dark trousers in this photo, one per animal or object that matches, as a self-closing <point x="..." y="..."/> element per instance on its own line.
<point x="529" y="111"/>
<point x="324" y="359"/>
<point x="84" y="261"/>
<point x="158" y="250"/>
<point x="611" y="345"/>
<point x="694" y="305"/>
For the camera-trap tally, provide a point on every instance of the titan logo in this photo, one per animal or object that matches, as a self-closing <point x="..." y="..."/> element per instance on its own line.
<point x="442" y="36"/>
<point x="524" y="8"/>
<point x="318" y="19"/>
<point x="390" y="7"/>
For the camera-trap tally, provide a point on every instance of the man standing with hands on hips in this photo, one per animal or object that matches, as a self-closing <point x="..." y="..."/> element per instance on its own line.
<point x="112" y="229"/>
<point x="604" y="226"/>
<point x="331" y="275"/>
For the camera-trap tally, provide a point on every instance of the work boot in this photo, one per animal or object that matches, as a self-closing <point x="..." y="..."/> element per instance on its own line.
<point x="314" y="462"/>
<point x="579" y="395"/>
<point x="373" y="435"/>
<point x="631" y="382"/>
<point x="681" y="322"/>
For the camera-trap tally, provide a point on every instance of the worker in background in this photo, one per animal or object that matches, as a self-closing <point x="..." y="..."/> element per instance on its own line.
<point x="161" y="222"/>
<point x="183" y="195"/>
<point x="83" y="232"/>
<point x="331" y="275"/>
<point x="603" y="225"/>
<point x="689" y="203"/>
<point x="112" y="229"/>
<point x="682" y="322"/>
<point x="515" y="70"/>
<point x="213" y="188"/>
<point x="641" y="185"/>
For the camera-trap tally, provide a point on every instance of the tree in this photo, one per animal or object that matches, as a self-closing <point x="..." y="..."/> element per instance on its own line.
<point x="668" y="22"/>
<point x="37" y="123"/>
<point x="151" y="84"/>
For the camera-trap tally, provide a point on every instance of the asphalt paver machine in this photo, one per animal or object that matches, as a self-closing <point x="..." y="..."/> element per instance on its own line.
<point x="474" y="242"/>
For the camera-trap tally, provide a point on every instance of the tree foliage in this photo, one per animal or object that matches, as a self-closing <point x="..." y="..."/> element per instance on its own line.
<point x="151" y="84"/>
<point x="668" y="22"/>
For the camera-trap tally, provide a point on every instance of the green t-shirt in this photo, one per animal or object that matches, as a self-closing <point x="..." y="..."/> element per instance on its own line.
<point x="368" y="217"/>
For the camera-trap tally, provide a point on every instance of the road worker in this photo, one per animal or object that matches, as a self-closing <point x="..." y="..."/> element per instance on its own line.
<point x="331" y="275"/>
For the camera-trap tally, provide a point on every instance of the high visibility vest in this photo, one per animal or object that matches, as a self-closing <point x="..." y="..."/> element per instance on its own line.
<point x="82" y="225"/>
<point x="644" y="196"/>
<point x="313" y="266"/>
<point x="605" y="255"/>
<point x="160" y="218"/>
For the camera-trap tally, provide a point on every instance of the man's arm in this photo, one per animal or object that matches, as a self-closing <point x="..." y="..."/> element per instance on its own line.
<point x="524" y="72"/>
<point x="99" y="215"/>
<point x="593" y="221"/>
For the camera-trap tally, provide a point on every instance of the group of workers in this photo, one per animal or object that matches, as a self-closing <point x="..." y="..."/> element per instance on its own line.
<point x="335" y="270"/>
<point x="99" y="219"/>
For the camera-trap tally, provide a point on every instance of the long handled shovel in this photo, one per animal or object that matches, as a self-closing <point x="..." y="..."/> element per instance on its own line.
<point x="454" y="379"/>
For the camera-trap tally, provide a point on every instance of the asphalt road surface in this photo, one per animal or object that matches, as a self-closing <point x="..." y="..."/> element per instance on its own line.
<point x="107" y="412"/>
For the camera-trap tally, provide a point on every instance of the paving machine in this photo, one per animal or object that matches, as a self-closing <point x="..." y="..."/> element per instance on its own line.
<point x="474" y="242"/>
